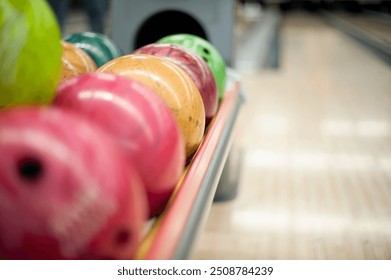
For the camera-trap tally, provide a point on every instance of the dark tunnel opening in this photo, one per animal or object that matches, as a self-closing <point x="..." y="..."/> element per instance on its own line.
<point x="167" y="23"/>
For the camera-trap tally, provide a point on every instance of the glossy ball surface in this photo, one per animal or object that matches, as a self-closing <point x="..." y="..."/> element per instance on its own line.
<point x="30" y="53"/>
<point x="207" y="51"/>
<point x="194" y="66"/>
<point x="99" y="47"/>
<point x="173" y="85"/>
<point x="66" y="191"/>
<point x="138" y="120"/>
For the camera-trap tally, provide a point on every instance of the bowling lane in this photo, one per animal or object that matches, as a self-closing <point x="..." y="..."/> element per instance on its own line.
<point x="316" y="180"/>
<point x="372" y="24"/>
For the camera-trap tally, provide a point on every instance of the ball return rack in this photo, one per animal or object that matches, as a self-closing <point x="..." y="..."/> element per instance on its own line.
<point x="172" y="234"/>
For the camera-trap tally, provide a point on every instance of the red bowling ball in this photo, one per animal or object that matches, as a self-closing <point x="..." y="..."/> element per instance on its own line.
<point x="194" y="66"/>
<point x="66" y="191"/>
<point x="158" y="201"/>
<point x="137" y="118"/>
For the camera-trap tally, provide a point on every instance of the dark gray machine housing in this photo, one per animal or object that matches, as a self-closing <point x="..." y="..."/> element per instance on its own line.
<point x="136" y="23"/>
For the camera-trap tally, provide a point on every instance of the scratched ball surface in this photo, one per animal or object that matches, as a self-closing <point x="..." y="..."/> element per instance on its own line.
<point x="66" y="191"/>
<point x="173" y="85"/>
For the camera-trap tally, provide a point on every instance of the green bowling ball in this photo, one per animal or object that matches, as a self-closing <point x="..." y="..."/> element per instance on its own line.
<point x="207" y="51"/>
<point x="30" y="52"/>
<point x="100" y="47"/>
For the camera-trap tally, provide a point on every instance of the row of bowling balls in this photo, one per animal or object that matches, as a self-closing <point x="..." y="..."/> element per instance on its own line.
<point x="178" y="74"/>
<point x="86" y="161"/>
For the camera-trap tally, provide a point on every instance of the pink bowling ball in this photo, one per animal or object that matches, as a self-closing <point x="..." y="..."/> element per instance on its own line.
<point x="137" y="118"/>
<point x="158" y="201"/>
<point x="66" y="191"/>
<point x="194" y="66"/>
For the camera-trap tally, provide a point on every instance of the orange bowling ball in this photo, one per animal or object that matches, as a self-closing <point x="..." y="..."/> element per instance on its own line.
<point x="173" y="85"/>
<point x="75" y="61"/>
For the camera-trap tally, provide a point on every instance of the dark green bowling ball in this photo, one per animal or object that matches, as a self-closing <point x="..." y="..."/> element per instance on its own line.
<point x="100" y="47"/>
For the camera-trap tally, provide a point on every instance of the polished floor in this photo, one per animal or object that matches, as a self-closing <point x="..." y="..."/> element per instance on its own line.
<point x="316" y="180"/>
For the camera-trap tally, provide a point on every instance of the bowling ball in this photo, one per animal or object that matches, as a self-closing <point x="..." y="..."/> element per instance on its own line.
<point x="75" y="61"/>
<point x="141" y="123"/>
<point x="30" y="52"/>
<point x="173" y="85"/>
<point x="194" y="66"/>
<point x="157" y="202"/>
<point x="66" y="191"/>
<point x="207" y="51"/>
<point x="98" y="46"/>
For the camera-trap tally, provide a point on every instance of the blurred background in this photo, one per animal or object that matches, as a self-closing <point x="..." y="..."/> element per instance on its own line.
<point x="315" y="142"/>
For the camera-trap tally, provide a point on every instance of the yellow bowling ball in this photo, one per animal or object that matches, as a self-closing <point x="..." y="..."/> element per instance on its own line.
<point x="75" y="61"/>
<point x="173" y="85"/>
